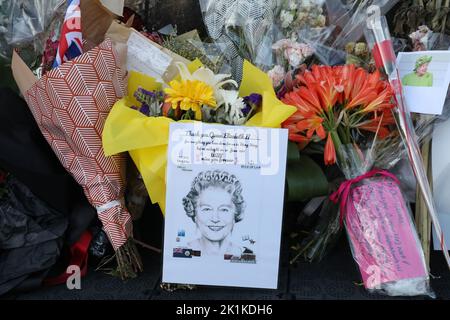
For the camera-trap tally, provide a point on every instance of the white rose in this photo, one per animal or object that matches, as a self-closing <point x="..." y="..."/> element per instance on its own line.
<point x="321" y="21"/>
<point x="294" y="57"/>
<point x="292" y="5"/>
<point x="286" y="18"/>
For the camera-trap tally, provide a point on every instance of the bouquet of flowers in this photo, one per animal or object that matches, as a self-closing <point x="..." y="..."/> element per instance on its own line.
<point x="244" y="30"/>
<point x="351" y="109"/>
<point x="70" y="104"/>
<point x="344" y="24"/>
<point x="139" y="123"/>
<point x="301" y="14"/>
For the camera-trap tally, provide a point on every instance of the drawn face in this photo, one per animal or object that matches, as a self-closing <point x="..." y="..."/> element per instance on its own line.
<point x="422" y="69"/>
<point x="215" y="213"/>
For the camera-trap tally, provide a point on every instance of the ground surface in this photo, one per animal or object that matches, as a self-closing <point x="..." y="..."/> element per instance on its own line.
<point x="336" y="277"/>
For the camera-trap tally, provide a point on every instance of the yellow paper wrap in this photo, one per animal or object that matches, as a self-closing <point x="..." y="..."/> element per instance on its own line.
<point x="146" y="138"/>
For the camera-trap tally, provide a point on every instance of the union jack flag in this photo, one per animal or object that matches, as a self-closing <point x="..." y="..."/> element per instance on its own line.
<point x="70" y="41"/>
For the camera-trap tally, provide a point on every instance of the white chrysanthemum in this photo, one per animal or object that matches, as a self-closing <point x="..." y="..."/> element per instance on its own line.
<point x="233" y="105"/>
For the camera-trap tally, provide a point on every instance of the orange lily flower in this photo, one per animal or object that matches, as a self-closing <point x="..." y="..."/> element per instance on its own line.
<point x="325" y="94"/>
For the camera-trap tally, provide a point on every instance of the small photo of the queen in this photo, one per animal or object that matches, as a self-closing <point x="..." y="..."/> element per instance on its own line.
<point x="215" y="205"/>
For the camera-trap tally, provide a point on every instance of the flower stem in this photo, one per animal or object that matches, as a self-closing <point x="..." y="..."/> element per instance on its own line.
<point x="337" y="145"/>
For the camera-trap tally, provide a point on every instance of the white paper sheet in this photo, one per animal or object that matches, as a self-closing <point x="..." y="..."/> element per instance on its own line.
<point x="146" y="58"/>
<point x="210" y="247"/>
<point x="441" y="177"/>
<point x="115" y="6"/>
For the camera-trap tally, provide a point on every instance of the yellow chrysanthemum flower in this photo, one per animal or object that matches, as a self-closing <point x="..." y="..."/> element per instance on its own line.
<point x="190" y="95"/>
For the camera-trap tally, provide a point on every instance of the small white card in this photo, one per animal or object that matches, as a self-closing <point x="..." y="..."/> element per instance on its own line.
<point x="224" y="207"/>
<point x="425" y="77"/>
<point x="441" y="178"/>
<point x="146" y="58"/>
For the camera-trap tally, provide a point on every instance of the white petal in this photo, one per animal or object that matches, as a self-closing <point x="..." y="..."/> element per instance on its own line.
<point x="184" y="71"/>
<point x="230" y="81"/>
<point x="228" y="96"/>
<point x="205" y="75"/>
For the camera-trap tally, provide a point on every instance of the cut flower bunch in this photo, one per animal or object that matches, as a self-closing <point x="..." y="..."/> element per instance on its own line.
<point x="199" y="95"/>
<point x="139" y="123"/>
<point x="336" y="104"/>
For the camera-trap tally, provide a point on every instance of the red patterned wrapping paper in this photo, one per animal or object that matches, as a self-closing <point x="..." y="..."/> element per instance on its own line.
<point x="70" y="104"/>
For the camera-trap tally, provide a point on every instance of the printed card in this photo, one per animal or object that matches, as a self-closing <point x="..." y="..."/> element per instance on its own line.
<point x="425" y="76"/>
<point x="225" y="194"/>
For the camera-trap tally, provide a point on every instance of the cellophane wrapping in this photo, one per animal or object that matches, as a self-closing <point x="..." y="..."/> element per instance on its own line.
<point x="244" y="28"/>
<point x="25" y="23"/>
<point x="251" y="29"/>
<point x="380" y="229"/>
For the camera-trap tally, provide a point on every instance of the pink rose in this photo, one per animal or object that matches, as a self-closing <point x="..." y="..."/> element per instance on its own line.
<point x="281" y="44"/>
<point x="294" y="56"/>
<point x="276" y="74"/>
<point x="297" y="53"/>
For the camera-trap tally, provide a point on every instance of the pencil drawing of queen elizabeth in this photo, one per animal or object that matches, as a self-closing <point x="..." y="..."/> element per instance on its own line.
<point x="215" y="204"/>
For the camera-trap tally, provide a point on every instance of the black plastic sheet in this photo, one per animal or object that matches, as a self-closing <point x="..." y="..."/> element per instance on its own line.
<point x="31" y="237"/>
<point x="44" y="208"/>
<point x="27" y="156"/>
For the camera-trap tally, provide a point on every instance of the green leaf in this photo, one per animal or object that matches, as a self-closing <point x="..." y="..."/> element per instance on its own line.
<point x="305" y="179"/>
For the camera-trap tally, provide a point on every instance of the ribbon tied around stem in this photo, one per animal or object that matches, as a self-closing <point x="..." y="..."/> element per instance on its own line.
<point x="343" y="192"/>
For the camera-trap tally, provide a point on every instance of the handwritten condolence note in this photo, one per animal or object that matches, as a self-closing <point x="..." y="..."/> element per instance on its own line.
<point x="383" y="240"/>
<point x="144" y="57"/>
<point x="225" y="192"/>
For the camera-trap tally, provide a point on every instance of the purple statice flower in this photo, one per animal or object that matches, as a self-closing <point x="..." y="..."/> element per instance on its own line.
<point x="282" y="92"/>
<point x="144" y="96"/>
<point x="247" y="109"/>
<point x="145" y="109"/>
<point x="252" y="102"/>
<point x="151" y="101"/>
<point x="255" y="99"/>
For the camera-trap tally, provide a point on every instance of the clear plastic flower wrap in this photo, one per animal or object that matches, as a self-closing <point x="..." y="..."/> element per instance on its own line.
<point x="378" y="36"/>
<point x="25" y="22"/>
<point x="349" y="108"/>
<point x="392" y="148"/>
<point x="345" y="21"/>
<point x="244" y="27"/>
<point x="379" y="226"/>
<point x="267" y="31"/>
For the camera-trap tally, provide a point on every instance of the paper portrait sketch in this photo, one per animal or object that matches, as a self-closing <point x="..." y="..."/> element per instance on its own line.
<point x="223" y="216"/>
<point x="215" y="203"/>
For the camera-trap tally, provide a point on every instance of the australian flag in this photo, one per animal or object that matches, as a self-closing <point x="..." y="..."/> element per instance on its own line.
<point x="70" y="41"/>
